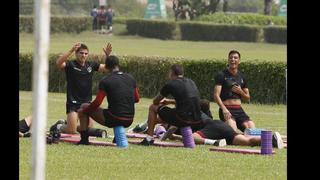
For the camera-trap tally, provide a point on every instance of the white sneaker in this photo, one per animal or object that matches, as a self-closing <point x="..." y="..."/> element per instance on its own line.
<point x="220" y="142"/>
<point x="277" y="140"/>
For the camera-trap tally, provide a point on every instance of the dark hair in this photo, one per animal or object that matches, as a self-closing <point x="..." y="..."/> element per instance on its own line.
<point x="233" y="52"/>
<point x="111" y="62"/>
<point x="82" y="46"/>
<point x="177" y="69"/>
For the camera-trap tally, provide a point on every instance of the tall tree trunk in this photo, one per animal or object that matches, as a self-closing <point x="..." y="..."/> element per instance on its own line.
<point x="267" y="7"/>
<point x="225" y="6"/>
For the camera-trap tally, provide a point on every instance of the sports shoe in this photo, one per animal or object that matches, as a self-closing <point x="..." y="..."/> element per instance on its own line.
<point x="104" y="134"/>
<point x="139" y="128"/>
<point x="53" y="138"/>
<point x="168" y="134"/>
<point x="145" y="142"/>
<point x="27" y="134"/>
<point x="220" y="142"/>
<point x="54" y="127"/>
<point x="277" y="140"/>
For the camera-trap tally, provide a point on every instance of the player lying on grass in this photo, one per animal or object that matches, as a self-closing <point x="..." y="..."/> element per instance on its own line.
<point x="214" y="132"/>
<point x="216" y="129"/>
<point x="25" y="126"/>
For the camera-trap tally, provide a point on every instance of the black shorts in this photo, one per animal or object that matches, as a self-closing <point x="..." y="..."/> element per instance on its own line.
<point x="170" y="116"/>
<point x="238" y="114"/>
<point x="215" y="129"/>
<point x="71" y="107"/>
<point x="113" y="121"/>
<point x="23" y="127"/>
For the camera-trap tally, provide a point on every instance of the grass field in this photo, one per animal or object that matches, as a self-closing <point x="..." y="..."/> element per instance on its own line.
<point x="66" y="161"/>
<point x="135" y="45"/>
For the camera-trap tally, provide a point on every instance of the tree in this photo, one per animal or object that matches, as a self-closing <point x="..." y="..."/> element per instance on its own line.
<point x="267" y="7"/>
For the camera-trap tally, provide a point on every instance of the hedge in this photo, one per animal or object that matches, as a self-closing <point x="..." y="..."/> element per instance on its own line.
<point x="242" y="18"/>
<point x="275" y="34"/>
<point x="266" y="80"/>
<point x="219" y="32"/>
<point x="193" y="30"/>
<point x="152" y="28"/>
<point x="58" y="24"/>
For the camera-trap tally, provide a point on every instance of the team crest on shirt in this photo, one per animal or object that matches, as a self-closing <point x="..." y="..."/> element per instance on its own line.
<point x="89" y="69"/>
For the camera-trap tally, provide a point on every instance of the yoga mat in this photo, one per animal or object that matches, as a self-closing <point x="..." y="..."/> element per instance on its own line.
<point x="159" y="143"/>
<point x="238" y="150"/>
<point x="92" y="142"/>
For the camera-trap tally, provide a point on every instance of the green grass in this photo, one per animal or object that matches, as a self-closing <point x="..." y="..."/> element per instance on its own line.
<point x="66" y="161"/>
<point x="139" y="46"/>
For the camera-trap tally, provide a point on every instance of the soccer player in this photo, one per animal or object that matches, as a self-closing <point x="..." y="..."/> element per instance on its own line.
<point x="230" y="88"/>
<point x="122" y="93"/>
<point x="186" y="101"/>
<point x="79" y="74"/>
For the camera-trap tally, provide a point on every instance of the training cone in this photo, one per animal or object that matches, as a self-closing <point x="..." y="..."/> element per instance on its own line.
<point x="120" y="137"/>
<point x="188" y="140"/>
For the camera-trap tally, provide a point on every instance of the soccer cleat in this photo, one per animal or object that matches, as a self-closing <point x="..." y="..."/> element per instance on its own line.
<point x="220" y="142"/>
<point x="139" y="128"/>
<point x="54" y="127"/>
<point x="145" y="142"/>
<point x="27" y="134"/>
<point x="277" y="140"/>
<point x="168" y="134"/>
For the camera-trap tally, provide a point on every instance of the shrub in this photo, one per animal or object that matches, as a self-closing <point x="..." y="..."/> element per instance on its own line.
<point x="275" y="34"/>
<point x="242" y="18"/>
<point x="266" y="80"/>
<point x="217" y="32"/>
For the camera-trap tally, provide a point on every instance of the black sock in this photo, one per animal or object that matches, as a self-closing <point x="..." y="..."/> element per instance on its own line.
<point x="95" y="132"/>
<point x="84" y="136"/>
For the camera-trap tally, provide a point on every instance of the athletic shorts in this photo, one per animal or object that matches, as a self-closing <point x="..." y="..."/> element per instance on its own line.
<point x="71" y="107"/>
<point x="170" y="116"/>
<point x="215" y="129"/>
<point x="113" y="121"/>
<point x="237" y="113"/>
<point x="23" y="127"/>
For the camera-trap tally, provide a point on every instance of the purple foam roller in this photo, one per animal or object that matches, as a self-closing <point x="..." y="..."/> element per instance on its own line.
<point x="188" y="140"/>
<point x="266" y="142"/>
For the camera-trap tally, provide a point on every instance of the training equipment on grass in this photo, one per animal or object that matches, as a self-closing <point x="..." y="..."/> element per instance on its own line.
<point x="120" y="137"/>
<point x="253" y="131"/>
<point x="75" y="140"/>
<point x="158" y="143"/>
<point x="159" y="130"/>
<point x="238" y="150"/>
<point x="266" y="142"/>
<point x="187" y="137"/>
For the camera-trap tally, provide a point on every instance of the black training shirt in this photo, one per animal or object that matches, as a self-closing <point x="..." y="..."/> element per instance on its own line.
<point x="119" y="88"/>
<point x="186" y="95"/>
<point x="226" y="79"/>
<point x="79" y="81"/>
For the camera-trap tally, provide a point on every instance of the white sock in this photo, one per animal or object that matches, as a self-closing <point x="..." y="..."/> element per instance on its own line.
<point x="209" y="141"/>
